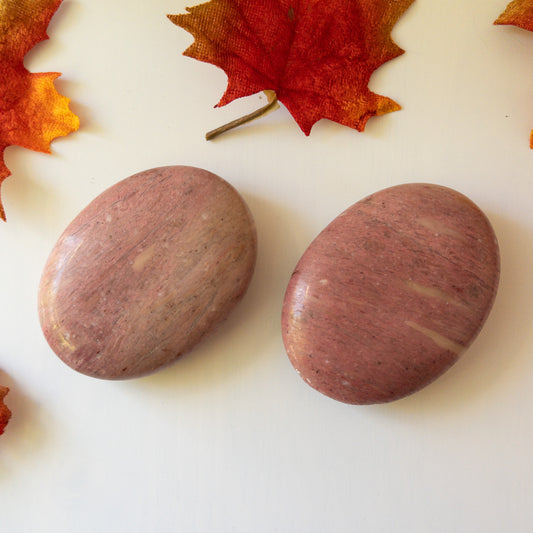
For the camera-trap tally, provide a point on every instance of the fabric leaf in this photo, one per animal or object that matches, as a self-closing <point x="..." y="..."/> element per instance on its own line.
<point x="5" y="413"/>
<point x="316" y="55"/>
<point x="519" y="13"/>
<point x="32" y="112"/>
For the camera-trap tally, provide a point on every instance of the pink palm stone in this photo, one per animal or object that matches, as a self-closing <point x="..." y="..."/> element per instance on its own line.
<point x="389" y="295"/>
<point x="145" y="271"/>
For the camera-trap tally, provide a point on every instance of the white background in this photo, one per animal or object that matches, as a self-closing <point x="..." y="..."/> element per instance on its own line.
<point x="230" y="439"/>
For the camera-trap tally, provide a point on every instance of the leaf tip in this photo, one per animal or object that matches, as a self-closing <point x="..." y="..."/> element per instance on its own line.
<point x="5" y="413"/>
<point x="4" y="173"/>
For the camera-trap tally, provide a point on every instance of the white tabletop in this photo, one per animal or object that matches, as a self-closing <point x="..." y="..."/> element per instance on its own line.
<point x="230" y="439"/>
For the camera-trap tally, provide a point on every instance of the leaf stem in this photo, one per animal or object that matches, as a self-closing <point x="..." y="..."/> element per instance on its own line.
<point x="272" y="104"/>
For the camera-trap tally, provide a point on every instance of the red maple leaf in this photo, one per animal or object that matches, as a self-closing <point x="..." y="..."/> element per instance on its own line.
<point x="32" y="113"/>
<point x="519" y="13"/>
<point x="317" y="56"/>
<point x="5" y="413"/>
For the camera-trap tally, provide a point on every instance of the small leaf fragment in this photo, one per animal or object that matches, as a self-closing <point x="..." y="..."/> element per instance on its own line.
<point x="5" y="413"/>
<point x="518" y="13"/>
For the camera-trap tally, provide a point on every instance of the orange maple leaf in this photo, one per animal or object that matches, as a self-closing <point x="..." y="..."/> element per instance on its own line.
<point x="317" y="56"/>
<point x="5" y="413"/>
<point x="32" y="112"/>
<point x="519" y="13"/>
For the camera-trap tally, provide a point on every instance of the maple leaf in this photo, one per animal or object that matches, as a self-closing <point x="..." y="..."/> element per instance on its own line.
<point x="316" y="55"/>
<point x="5" y="413"/>
<point x="32" y="112"/>
<point x="519" y="13"/>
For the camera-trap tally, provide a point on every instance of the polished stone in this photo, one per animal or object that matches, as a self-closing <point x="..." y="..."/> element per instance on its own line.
<point x="143" y="273"/>
<point x="389" y="295"/>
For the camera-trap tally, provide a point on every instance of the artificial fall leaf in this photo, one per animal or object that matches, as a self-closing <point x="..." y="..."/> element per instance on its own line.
<point x="519" y="13"/>
<point x="5" y="413"/>
<point x="316" y="55"/>
<point x="32" y="112"/>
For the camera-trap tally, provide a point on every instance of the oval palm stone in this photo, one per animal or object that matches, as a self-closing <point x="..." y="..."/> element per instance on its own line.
<point x="145" y="271"/>
<point x="389" y="295"/>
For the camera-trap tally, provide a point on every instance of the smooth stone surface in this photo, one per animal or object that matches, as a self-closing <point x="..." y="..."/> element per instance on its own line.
<point x="389" y="295"/>
<point x="145" y="271"/>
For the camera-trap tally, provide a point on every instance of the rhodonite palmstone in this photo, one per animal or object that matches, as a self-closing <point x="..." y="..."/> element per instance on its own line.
<point x="390" y="294"/>
<point x="146" y="271"/>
